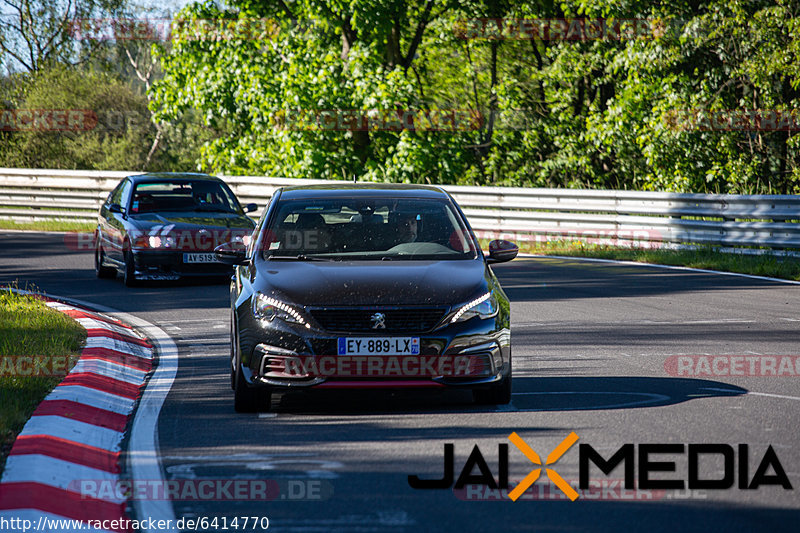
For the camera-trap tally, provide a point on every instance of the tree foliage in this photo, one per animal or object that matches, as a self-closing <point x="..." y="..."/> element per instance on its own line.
<point x="554" y="112"/>
<point x="54" y="71"/>
<point x="443" y="91"/>
<point x="38" y="33"/>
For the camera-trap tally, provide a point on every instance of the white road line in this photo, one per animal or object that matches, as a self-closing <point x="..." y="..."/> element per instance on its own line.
<point x="721" y="321"/>
<point x="753" y="393"/>
<point x="653" y="398"/>
<point x="144" y="461"/>
<point x="189" y="320"/>
<point x="236" y="457"/>
<point x="574" y="325"/>
<point x="783" y="396"/>
<point x="668" y="267"/>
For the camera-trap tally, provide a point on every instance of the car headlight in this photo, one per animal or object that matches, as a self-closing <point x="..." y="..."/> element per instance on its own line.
<point x="268" y="308"/>
<point x="484" y="307"/>
<point x="161" y="241"/>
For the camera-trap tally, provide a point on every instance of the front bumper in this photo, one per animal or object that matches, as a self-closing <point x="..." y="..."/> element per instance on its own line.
<point x="170" y="265"/>
<point x="471" y="354"/>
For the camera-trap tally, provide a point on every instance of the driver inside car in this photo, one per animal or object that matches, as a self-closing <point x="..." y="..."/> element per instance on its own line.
<point x="313" y="232"/>
<point x="407" y="226"/>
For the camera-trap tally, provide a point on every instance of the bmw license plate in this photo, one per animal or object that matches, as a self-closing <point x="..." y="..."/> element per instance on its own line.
<point x="199" y="258"/>
<point x="378" y="345"/>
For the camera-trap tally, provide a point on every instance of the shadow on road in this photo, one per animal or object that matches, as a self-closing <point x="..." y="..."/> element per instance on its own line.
<point x="530" y="394"/>
<point x="545" y="279"/>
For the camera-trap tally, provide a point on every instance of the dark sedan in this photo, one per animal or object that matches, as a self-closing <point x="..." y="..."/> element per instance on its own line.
<point x="165" y="226"/>
<point x="356" y="286"/>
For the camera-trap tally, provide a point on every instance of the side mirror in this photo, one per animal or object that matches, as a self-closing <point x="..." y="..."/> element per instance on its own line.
<point x="501" y="251"/>
<point x="231" y="253"/>
<point x="115" y="208"/>
<point x="249" y="208"/>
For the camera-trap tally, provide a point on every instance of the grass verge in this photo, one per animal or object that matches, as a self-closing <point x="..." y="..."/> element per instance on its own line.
<point x="704" y="257"/>
<point x="49" y="225"/>
<point x="29" y="328"/>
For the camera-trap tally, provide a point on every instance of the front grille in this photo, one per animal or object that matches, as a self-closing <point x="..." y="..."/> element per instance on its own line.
<point x="406" y="320"/>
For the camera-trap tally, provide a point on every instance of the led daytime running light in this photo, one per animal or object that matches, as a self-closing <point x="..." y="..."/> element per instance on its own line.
<point x="289" y="310"/>
<point x="469" y="306"/>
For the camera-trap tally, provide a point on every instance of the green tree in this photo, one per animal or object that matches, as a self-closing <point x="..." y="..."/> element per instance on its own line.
<point x="37" y="33"/>
<point x="326" y="57"/>
<point x="555" y="112"/>
<point x="113" y="134"/>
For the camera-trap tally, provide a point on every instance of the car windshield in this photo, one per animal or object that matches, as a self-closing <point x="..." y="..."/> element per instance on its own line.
<point x="366" y="229"/>
<point x="182" y="195"/>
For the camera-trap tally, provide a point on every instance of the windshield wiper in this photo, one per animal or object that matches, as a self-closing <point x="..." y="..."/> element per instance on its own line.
<point x="302" y="257"/>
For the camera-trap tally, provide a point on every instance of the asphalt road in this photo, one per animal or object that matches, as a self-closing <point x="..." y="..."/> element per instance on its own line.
<point x="590" y="342"/>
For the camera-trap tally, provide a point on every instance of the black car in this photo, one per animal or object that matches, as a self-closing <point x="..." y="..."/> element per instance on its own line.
<point x="366" y="286"/>
<point x="164" y="226"/>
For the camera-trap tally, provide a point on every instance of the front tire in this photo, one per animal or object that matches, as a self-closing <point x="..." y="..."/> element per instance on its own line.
<point x="234" y="349"/>
<point x="129" y="270"/>
<point x="497" y="394"/>
<point x="248" y="399"/>
<point x="100" y="270"/>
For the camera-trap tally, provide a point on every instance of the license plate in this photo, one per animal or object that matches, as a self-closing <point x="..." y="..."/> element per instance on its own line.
<point x="199" y="258"/>
<point x="378" y="345"/>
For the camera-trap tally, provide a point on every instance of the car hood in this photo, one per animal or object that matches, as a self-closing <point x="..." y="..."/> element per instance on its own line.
<point x="192" y="219"/>
<point x="373" y="283"/>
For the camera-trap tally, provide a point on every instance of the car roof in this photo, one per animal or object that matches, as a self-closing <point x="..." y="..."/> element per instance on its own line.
<point x="362" y="190"/>
<point x="173" y="176"/>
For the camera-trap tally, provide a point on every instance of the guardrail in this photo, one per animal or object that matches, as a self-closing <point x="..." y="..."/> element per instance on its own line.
<point x="533" y="214"/>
